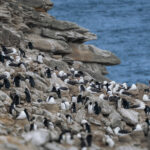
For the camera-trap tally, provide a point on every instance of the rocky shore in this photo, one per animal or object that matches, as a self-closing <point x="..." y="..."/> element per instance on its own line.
<point x="53" y="91"/>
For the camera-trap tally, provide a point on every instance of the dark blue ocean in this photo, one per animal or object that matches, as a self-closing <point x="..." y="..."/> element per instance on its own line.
<point x="122" y="26"/>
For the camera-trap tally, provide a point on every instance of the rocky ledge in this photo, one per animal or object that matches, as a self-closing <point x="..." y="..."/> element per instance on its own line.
<point x="53" y="92"/>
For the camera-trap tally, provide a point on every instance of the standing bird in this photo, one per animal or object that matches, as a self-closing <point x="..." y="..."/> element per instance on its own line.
<point x="73" y="107"/>
<point x="30" y="45"/>
<point x="69" y="119"/>
<point x="90" y="108"/>
<point x="40" y="58"/>
<point x="12" y="110"/>
<point x="62" y="105"/>
<point x="147" y="110"/>
<point x="50" y="100"/>
<point x="17" y="80"/>
<point x="22" y="53"/>
<point x="48" y="73"/>
<point x="89" y="140"/>
<point x="28" y="97"/>
<point x="2" y="57"/>
<point x="97" y="109"/>
<point x="48" y="124"/>
<point x="6" y="83"/>
<point x="15" y="98"/>
<point x="81" y="88"/>
<point x="31" y="81"/>
<point x="23" y="115"/>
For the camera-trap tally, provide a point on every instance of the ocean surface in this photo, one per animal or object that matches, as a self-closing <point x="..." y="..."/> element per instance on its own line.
<point x="122" y="26"/>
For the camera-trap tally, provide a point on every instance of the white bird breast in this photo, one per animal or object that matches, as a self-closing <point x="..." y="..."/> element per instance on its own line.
<point x="22" y="115"/>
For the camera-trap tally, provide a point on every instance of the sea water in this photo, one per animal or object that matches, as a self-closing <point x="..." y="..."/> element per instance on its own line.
<point x="122" y="26"/>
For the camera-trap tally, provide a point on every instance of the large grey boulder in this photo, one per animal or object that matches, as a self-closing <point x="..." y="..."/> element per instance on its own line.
<point x="52" y="63"/>
<point x="91" y="54"/>
<point x="115" y="119"/>
<point x="106" y="108"/>
<point x="129" y="116"/>
<point x="10" y="37"/>
<point x="97" y="71"/>
<point x="49" y="45"/>
<point x="38" y="137"/>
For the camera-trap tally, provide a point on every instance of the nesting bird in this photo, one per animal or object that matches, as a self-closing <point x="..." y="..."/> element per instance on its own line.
<point x="40" y="58"/>
<point x="50" y="100"/>
<point x="23" y="115"/>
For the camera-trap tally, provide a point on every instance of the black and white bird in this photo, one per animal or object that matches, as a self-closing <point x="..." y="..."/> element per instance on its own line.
<point x="12" y="109"/>
<point x="69" y="119"/>
<point x="86" y="126"/>
<point x="96" y="108"/>
<point x="30" y="45"/>
<point x="73" y="107"/>
<point x="40" y="58"/>
<point x="90" y="108"/>
<point x="66" y="137"/>
<point x="89" y="138"/>
<point x="8" y="51"/>
<point x="81" y="88"/>
<point x="22" y="53"/>
<point x="15" y="98"/>
<point x="83" y="144"/>
<point x="147" y="110"/>
<point x="48" y="124"/>
<point x="74" y="99"/>
<point x="50" y="100"/>
<point x="23" y="115"/>
<point x="6" y="83"/>
<point x="120" y="132"/>
<point x="17" y="80"/>
<point x="48" y="72"/>
<point x="2" y="57"/>
<point x="31" y="81"/>
<point x="28" y="95"/>
<point x="65" y="105"/>
<point x="125" y="103"/>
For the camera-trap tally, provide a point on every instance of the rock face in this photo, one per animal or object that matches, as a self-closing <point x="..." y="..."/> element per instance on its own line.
<point x="38" y="4"/>
<point x="91" y="54"/>
<point x="47" y="34"/>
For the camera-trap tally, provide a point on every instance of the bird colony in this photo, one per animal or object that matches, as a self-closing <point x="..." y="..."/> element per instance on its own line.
<point x="49" y="108"/>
